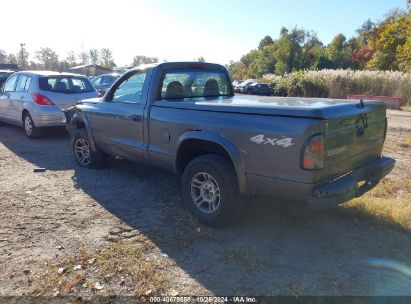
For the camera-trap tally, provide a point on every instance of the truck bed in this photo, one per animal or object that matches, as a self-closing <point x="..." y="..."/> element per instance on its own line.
<point x="320" y="108"/>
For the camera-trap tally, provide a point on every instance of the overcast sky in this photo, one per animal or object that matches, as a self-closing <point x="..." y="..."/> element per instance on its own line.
<point x="218" y="30"/>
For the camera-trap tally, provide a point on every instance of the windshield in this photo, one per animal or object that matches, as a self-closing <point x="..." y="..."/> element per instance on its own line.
<point x="194" y="83"/>
<point x="66" y="84"/>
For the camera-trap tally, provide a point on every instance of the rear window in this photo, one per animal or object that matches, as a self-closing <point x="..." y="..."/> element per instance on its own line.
<point x="194" y="83"/>
<point x="67" y="85"/>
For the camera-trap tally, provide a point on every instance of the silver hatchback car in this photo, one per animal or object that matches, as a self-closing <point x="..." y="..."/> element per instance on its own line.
<point x="34" y="99"/>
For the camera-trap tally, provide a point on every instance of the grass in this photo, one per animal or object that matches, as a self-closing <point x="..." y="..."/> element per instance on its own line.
<point x="406" y="109"/>
<point x="339" y="83"/>
<point x="123" y="268"/>
<point x="390" y="200"/>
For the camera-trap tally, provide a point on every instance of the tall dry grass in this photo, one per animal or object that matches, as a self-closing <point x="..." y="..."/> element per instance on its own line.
<point x="340" y="83"/>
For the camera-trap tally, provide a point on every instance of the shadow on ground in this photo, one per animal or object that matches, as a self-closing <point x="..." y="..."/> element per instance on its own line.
<point x="274" y="249"/>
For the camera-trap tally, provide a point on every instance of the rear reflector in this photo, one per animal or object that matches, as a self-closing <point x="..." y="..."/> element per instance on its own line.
<point x="41" y="99"/>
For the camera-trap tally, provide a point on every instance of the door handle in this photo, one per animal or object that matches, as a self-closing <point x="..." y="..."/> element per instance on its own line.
<point x="135" y="118"/>
<point x="22" y="97"/>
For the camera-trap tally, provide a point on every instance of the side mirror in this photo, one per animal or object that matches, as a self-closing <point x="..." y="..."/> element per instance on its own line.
<point x="2" y="90"/>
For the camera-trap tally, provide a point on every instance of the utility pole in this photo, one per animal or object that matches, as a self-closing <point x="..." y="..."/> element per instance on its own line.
<point x="22" y="55"/>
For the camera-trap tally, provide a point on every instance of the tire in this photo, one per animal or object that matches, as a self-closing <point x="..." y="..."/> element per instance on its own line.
<point x="29" y="127"/>
<point x="83" y="153"/>
<point x="212" y="182"/>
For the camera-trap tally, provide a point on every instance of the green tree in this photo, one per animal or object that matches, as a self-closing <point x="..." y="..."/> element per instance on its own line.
<point x="388" y="40"/>
<point x="266" y="41"/>
<point x="339" y="52"/>
<point x="200" y="59"/>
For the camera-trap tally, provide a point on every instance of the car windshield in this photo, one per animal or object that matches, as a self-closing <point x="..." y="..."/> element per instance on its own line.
<point x="65" y="84"/>
<point x="182" y="84"/>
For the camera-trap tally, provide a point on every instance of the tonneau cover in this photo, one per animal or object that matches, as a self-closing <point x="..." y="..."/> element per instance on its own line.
<point x="319" y="108"/>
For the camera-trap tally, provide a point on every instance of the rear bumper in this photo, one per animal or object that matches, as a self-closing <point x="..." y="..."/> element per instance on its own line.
<point x="50" y="118"/>
<point x="327" y="194"/>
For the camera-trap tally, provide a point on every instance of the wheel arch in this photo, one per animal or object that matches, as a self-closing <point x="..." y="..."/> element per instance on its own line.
<point x="80" y="121"/>
<point x="196" y="143"/>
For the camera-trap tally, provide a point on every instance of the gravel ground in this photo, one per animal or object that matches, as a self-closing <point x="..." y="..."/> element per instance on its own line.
<point x="274" y="250"/>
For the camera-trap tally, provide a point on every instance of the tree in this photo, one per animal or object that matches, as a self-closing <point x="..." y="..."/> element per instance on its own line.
<point x="106" y="58"/>
<point x="366" y="27"/>
<point x="139" y="59"/>
<point x="3" y="56"/>
<point x="84" y="57"/>
<point x="94" y="56"/>
<point x="48" y="58"/>
<point x="200" y="59"/>
<point x="266" y="41"/>
<point x="339" y="53"/>
<point x="11" y="58"/>
<point x="71" y="59"/>
<point x="387" y="39"/>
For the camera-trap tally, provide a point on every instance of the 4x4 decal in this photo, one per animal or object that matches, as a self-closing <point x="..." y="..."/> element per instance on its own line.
<point x="283" y="142"/>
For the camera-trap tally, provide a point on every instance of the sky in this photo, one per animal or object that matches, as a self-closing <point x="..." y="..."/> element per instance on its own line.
<point x="218" y="30"/>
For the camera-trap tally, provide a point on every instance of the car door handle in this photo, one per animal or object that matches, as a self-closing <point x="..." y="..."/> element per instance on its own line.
<point x="136" y="118"/>
<point x="22" y="97"/>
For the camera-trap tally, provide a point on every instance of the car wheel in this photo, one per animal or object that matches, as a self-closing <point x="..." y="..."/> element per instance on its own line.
<point x="84" y="154"/>
<point x="29" y="127"/>
<point x="210" y="189"/>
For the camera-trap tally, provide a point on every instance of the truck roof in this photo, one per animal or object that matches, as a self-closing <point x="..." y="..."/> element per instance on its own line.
<point x="181" y="65"/>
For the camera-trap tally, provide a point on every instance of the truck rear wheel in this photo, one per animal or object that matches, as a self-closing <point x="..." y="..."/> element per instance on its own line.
<point x="210" y="189"/>
<point x="84" y="154"/>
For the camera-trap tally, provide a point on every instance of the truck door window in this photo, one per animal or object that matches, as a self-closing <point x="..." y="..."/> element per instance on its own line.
<point x="184" y="84"/>
<point x="130" y="89"/>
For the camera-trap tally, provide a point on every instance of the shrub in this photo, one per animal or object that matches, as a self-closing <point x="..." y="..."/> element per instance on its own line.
<point x="340" y="83"/>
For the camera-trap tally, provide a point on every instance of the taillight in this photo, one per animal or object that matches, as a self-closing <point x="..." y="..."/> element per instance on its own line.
<point x="313" y="153"/>
<point x="41" y="99"/>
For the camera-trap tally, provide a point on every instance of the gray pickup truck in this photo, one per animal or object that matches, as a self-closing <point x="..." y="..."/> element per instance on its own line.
<point x="184" y="117"/>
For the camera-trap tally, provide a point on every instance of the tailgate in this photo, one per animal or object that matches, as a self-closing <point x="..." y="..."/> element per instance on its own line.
<point x="354" y="140"/>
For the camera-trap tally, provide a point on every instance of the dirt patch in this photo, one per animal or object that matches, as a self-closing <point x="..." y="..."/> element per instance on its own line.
<point x="130" y="220"/>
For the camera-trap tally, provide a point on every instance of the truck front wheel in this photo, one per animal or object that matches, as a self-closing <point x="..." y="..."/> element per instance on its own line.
<point x="210" y="189"/>
<point x="83" y="153"/>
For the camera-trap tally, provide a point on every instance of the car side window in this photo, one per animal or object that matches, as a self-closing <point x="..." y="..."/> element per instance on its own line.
<point x="130" y="89"/>
<point x="22" y="85"/>
<point x="10" y="84"/>
<point x="105" y="80"/>
<point x="96" y="81"/>
<point x="28" y="83"/>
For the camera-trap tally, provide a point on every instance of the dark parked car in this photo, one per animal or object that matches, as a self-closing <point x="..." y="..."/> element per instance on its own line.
<point x="184" y="117"/>
<point x="4" y="74"/>
<point x="259" y="89"/>
<point x="103" y="82"/>
<point x="242" y="87"/>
